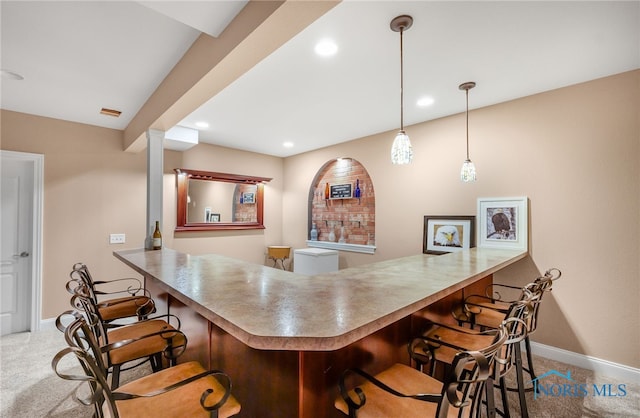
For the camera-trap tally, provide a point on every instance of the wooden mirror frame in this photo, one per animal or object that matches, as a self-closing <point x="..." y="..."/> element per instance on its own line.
<point x="182" y="183"/>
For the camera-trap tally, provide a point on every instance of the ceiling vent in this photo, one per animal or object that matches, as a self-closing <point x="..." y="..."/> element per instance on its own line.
<point x="110" y="112"/>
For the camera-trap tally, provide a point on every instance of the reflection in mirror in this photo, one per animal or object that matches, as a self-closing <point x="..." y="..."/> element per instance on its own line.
<point x="216" y="201"/>
<point x="209" y="201"/>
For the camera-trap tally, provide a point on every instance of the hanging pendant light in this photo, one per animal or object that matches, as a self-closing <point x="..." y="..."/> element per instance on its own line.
<point x="401" y="151"/>
<point x="468" y="171"/>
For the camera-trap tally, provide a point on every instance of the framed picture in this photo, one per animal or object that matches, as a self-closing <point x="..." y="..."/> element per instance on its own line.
<point x="340" y="191"/>
<point x="207" y="214"/>
<point x="214" y="217"/>
<point x="447" y="234"/>
<point x="503" y="222"/>
<point x="248" y="197"/>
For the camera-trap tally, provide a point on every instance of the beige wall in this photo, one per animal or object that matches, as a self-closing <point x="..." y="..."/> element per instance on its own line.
<point x="92" y="188"/>
<point x="249" y="245"/>
<point x="574" y="152"/>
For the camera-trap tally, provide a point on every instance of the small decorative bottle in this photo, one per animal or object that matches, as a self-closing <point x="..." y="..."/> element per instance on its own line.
<point x="342" y="239"/>
<point x="332" y="236"/>
<point x="157" y="237"/>
<point x="357" y="192"/>
<point x="372" y="240"/>
<point x="326" y="191"/>
<point x="314" y="232"/>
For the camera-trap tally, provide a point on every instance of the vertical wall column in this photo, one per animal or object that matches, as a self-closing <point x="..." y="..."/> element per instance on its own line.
<point x="155" y="170"/>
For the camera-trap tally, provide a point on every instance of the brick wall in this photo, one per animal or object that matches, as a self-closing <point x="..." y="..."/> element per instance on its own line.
<point x="357" y="216"/>
<point x="245" y="211"/>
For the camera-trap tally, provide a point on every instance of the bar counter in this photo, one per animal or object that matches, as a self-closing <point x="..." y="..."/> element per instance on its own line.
<point x="276" y="316"/>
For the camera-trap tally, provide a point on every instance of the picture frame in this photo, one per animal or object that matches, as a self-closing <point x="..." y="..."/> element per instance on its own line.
<point x="503" y="222"/>
<point x="447" y="234"/>
<point x="248" y="197"/>
<point x="214" y="217"/>
<point x="341" y="191"/>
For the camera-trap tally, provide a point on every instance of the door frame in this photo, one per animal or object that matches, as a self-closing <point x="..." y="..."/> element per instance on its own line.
<point x="36" y="250"/>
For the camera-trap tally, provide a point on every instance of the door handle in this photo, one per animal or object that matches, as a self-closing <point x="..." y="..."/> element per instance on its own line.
<point x="22" y="254"/>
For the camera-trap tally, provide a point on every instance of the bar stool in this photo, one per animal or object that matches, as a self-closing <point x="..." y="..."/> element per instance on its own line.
<point x="127" y="346"/>
<point x="486" y="311"/>
<point x="184" y="390"/>
<point x="441" y="342"/>
<point x="278" y="253"/>
<point x="130" y="301"/>
<point x="401" y="391"/>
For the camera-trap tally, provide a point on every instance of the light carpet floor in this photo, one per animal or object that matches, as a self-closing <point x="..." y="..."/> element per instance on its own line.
<point x="29" y="387"/>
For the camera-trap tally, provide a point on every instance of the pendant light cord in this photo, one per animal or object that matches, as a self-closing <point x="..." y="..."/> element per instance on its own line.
<point x="467" y="91"/>
<point x="401" y="84"/>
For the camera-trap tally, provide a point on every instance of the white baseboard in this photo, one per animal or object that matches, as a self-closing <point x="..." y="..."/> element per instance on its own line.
<point x="605" y="367"/>
<point x="47" y="324"/>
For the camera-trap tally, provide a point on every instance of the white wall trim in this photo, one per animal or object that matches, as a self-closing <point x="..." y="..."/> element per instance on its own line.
<point x="356" y="248"/>
<point x="47" y="324"/>
<point x="608" y="368"/>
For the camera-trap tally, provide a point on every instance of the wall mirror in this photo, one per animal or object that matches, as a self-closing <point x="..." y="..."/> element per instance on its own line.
<point x="216" y="201"/>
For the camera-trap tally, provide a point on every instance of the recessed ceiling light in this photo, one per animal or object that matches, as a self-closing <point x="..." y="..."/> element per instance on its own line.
<point x="202" y="124"/>
<point x="326" y="48"/>
<point x="425" y="101"/>
<point x="110" y="112"/>
<point x="287" y="144"/>
<point x="10" y="75"/>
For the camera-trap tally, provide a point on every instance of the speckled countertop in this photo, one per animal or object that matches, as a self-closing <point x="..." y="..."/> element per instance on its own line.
<point x="272" y="309"/>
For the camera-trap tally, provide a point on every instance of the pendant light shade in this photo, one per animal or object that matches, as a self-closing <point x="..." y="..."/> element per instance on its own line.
<point x="401" y="151"/>
<point x="468" y="171"/>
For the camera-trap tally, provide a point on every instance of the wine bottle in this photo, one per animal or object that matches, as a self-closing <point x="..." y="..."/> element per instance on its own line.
<point x="357" y="193"/>
<point x="157" y="237"/>
<point x="326" y="191"/>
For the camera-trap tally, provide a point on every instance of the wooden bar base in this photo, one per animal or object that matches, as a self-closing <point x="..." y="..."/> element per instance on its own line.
<point x="283" y="384"/>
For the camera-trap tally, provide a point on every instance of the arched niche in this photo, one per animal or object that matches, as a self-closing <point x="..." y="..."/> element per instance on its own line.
<point x="335" y="206"/>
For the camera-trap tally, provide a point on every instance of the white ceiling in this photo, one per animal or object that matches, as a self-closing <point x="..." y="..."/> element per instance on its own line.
<point x="77" y="57"/>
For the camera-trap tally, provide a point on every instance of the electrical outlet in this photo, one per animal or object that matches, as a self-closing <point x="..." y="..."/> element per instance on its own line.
<point x="116" y="238"/>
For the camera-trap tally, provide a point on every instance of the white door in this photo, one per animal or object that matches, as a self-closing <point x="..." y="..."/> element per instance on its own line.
<point x="17" y="242"/>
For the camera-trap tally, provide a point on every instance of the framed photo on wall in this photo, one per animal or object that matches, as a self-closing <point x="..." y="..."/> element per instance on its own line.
<point x="447" y="234"/>
<point x="503" y="222"/>
<point x="248" y="197"/>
